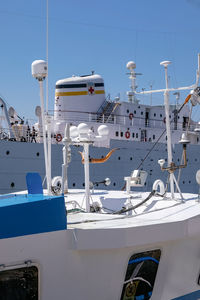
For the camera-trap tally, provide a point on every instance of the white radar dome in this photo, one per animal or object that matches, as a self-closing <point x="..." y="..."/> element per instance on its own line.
<point x="198" y="177"/>
<point x="83" y="128"/>
<point x="131" y="65"/>
<point x="73" y="131"/>
<point x="39" y="69"/>
<point x="103" y="130"/>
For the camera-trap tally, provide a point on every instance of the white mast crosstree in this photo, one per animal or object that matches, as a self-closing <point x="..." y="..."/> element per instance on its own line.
<point x="166" y="91"/>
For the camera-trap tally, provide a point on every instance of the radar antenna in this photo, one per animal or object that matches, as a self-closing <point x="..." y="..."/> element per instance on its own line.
<point x="131" y="94"/>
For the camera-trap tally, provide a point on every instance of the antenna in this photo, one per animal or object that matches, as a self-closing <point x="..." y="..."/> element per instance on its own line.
<point x="39" y="71"/>
<point x="131" y="94"/>
<point x="47" y="54"/>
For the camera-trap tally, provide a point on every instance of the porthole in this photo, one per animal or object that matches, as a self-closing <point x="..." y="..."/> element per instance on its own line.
<point x="12" y="185"/>
<point x="119" y="158"/>
<point x="141" y="112"/>
<point x="161" y="115"/>
<point x="7" y="152"/>
<point x="102" y="156"/>
<point x="136" y="135"/>
<point x="114" y="183"/>
<point x="121" y="133"/>
<point x="131" y="158"/>
<point x="189" y="181"/>
<point x="154" y="136"/>
<point x="195" y="159"/>
<point x="135" y="112"/>
<point x="127" y="111"/>
<point x="83" y="184"/>
<point x="38" y="153"/>
<point x="74" y="184"/>
<point x="116" y="133"/>
<point x="133" y="134"/>
<point x="183" y="182"/>
<point x="154" y="115"/>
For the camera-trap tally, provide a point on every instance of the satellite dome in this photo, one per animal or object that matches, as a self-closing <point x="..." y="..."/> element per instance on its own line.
<point x="103" y="130"/>
<point x="131" y="65"/>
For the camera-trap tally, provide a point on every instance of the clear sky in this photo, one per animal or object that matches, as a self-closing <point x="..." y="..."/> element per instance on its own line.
<point x="96" y="35"/>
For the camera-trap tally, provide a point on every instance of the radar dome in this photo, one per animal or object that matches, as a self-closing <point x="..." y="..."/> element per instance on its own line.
<point x="131" y="65"/>
<point x="103" y="130"/>
<point x="39" y="69"/>
<point x="73" y="131"/>
<point x="83" y="128"/>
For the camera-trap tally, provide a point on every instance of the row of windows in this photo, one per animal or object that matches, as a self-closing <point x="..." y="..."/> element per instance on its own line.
<point x="133" y="135"/>
<point x="8" y="152"/>
<point x="141" y="270"/>
<point x="161" y="115"/>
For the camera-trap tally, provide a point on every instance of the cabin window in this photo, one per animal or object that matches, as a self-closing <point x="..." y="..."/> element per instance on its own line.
<point x="20" y="283"/>
<point x="133" y="134"/>
<point x="141" y="112"/>
<point x="121" y="133"/>
<point x="134" y="112"/>
<point x="161" y="115"/>
<point x="116" y="133"/>
<point x="140" y="275"/>
<point x="154" y="136"/>
<point x="136" y="135"/>
<point x="127" y="111"/>
<point x="154" y="114"/>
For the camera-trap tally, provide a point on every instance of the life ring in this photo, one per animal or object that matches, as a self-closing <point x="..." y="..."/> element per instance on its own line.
<point x="58" y="137"/>
<point x="131" y="116"/>
<point x="164" y="120"/>
<point x="127" y="134"/>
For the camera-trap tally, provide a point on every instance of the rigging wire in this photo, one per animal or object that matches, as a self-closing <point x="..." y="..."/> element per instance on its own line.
<point x="186" y="100"/>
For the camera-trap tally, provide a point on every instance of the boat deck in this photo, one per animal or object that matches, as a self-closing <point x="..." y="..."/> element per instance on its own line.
<point x="156" y="210"/>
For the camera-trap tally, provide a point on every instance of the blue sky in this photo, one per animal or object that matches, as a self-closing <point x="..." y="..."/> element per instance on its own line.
<point x="96" y="35"/>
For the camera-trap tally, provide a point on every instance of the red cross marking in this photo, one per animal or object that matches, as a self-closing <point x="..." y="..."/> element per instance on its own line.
<point x="91" y="90"/>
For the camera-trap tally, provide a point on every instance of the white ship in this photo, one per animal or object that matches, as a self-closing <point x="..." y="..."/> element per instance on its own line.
<point x="102" y="245"/>
<point x="137" y="135"/>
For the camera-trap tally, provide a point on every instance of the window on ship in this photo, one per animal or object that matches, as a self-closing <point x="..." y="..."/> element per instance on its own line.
<point x="19" y="283"/>
<point x="140" y="275"/>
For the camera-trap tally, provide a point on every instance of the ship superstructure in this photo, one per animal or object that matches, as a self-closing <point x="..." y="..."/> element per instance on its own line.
<point x="134" y="128"/>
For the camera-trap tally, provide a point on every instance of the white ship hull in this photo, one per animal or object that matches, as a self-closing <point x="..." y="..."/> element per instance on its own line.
<point x="18" y="158"/>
